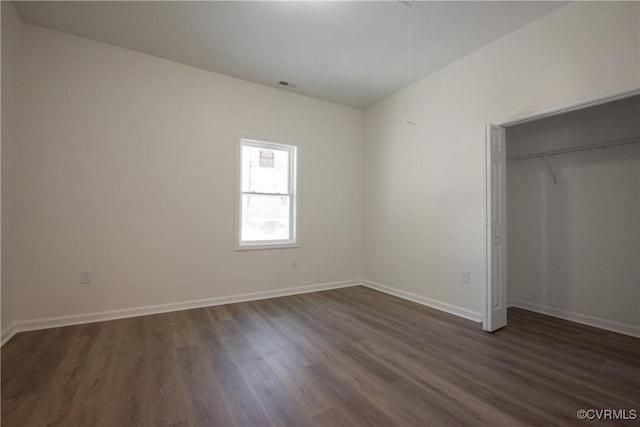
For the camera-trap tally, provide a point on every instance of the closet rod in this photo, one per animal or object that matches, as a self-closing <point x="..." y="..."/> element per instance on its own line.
<point x="614" y="143"/>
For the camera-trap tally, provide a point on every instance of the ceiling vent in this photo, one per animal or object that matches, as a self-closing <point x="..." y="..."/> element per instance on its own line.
<point x="287" y="84"/>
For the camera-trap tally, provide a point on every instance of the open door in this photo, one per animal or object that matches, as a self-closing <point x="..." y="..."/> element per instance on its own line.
<point x="496" y="240"/>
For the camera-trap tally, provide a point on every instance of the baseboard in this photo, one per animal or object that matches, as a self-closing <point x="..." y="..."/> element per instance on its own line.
<point x="77" y="319"/>
<point x="597" y="322"/>
<point x="439" y="305"/>
<point x="8" y="333"/>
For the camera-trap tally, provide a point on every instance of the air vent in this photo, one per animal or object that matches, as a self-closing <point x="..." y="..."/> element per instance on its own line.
<point x="287" y="84"/>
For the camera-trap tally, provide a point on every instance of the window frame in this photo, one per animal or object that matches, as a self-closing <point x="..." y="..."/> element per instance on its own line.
<point x="270" y="144"/>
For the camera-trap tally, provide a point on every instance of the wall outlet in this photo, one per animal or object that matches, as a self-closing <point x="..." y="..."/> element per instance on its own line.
<point x="294" y="263"/>
<point x="466" y="277"/>
<point x="86" y="277"/>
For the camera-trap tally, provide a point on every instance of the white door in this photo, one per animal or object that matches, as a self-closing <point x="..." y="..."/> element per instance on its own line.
<point x="496" y="296"/>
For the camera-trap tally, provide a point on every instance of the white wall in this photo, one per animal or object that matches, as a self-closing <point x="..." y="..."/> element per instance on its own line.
<point x="11" y="121"/>
<point x="127" y="167"/>
<point x="574" y="246"/>
<point x="424" y="184"/>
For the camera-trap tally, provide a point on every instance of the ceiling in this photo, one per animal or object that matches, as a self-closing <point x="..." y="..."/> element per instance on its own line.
<point x="349" y="52"/>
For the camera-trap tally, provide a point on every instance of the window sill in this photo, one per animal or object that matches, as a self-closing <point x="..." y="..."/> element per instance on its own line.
<point x="261" y="246"/>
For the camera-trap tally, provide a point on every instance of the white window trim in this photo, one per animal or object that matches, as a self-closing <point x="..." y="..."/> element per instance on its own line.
<point x="294" y="242"/>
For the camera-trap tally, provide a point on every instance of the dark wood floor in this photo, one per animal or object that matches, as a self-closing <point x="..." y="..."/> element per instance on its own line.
<point x="352" y="356"/>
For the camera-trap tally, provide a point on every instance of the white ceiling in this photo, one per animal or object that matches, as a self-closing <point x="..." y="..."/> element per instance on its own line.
<point x="350" y="52"/>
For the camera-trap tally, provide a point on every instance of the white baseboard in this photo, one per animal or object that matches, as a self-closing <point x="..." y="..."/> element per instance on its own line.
<point x="597" y="322"/>
<point x="8" y="333"/>
<point x="77" y="319"/>
<point x="448" y="308"/>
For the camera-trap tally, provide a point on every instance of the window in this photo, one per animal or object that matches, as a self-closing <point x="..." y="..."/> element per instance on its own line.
<point x="266" y="195"/>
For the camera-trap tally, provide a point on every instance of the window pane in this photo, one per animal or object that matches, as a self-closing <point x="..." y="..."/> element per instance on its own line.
<point x="265" y="217"/>
<point x="265" y="170"/>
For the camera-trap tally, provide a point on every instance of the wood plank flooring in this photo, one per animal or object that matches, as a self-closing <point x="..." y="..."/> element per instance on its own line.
<point x="344" y="357"/>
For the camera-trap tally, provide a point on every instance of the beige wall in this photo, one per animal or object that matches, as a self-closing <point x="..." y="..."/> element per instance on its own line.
<point x="12" y="51"/>
<point x="424" y="184"/>
<point x="127" y="167"/>
<point x="574" y="246"/>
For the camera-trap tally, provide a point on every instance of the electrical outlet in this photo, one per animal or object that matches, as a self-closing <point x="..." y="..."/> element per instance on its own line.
<point x="466" y="277"/>
<point x="294" y="263"/>
<point x="86" y="277"/>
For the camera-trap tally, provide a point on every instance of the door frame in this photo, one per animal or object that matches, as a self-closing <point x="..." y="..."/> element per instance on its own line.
<point x="486" y="170"/>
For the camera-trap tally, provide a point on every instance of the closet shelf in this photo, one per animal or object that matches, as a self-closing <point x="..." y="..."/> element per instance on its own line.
<point x="614" y="143"/>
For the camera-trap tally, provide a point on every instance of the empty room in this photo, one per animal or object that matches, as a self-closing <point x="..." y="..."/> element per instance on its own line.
<point x="320" y="213"/>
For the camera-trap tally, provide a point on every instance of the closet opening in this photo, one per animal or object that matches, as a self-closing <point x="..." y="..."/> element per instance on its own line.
<point x="570" y="236"/>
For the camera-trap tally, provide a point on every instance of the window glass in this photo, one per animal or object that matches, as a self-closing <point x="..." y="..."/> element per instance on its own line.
<point x="266" y="199"/>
